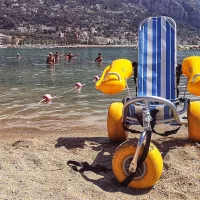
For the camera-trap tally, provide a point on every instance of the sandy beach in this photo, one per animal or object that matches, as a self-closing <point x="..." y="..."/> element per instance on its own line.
<point x="34" y="163"/>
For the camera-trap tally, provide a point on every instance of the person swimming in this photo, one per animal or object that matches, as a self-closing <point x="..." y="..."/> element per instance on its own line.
<point x="18" y="56"/>
<point x="99" y="58"/>
<point x="69" y="56"/>
<point x="56" y="56"/>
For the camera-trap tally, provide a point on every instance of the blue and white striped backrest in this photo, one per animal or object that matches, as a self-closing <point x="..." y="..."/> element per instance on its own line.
<point x="157" y="58"/>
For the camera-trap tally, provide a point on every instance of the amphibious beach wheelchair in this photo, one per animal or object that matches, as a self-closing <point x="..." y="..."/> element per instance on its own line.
<point x="137" y="162"/>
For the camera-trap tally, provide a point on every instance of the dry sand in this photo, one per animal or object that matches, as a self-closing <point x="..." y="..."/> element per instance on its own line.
<point x="34" y="163"/>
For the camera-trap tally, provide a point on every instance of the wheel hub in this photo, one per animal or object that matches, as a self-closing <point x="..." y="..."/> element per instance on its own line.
<point x="140" y="172"/>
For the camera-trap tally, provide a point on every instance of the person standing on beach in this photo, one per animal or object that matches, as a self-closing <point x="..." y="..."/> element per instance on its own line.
<point x="50" y="59"/>
<point x="99" y="58"/>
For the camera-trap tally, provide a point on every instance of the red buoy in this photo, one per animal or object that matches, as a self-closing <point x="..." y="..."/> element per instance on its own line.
<point x="96" y="78"/>
<point x="78" y="85"/>
<point x="47" y="97"/>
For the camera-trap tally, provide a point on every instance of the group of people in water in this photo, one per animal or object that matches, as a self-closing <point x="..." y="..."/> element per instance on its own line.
<point x="53" y="58"/>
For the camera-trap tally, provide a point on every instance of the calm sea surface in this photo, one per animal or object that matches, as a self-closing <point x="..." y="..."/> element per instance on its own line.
<point x="23" y="83"/>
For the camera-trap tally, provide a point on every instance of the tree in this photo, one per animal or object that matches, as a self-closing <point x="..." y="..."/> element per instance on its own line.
<point x="8" y="23"/>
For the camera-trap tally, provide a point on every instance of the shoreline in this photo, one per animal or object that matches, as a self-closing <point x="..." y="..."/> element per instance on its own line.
<point x="179" y="47"/>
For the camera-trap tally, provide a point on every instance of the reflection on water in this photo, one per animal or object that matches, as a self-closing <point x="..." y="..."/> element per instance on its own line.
<point x="24" y="81"/>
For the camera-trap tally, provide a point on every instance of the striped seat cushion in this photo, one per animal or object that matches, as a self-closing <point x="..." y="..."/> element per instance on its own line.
<point x="157" y="58"/>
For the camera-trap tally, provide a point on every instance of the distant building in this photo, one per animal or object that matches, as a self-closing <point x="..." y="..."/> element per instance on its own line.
<point x="93" y="30"/>
<point x="5" y="39"/>
<point x="61" y="34"/>
<point x="101" y="40"/>
<point x="114" y="40"/>
<point x="22" y="29"/>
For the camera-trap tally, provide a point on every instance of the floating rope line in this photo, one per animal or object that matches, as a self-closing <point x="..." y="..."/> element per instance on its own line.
<point x="58" y="96"/>
<point x="47" y="98"/>
<point x="78" y="87"/>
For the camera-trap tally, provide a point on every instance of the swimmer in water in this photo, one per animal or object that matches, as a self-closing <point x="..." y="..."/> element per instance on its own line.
<point x="99" y="58"/>
<point x="18" y="56"/>
<point x="50" y="59"/>
<point x="69" y="56"/>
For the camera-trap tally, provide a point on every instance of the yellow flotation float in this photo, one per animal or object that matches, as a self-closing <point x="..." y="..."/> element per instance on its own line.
<point x="113" y="79"/>
<point x="191" y="69"/>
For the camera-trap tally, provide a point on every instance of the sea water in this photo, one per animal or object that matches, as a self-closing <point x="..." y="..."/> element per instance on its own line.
<point x="24" y="82"/>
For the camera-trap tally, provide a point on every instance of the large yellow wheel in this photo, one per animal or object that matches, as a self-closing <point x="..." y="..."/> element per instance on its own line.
<point x="194" y="121"/>
<point x="115" y="129"/>
<point x="148" y="174"/>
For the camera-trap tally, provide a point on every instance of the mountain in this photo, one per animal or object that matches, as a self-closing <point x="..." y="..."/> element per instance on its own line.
<point x="108" y="17"/>
<point x="185" y="11"/>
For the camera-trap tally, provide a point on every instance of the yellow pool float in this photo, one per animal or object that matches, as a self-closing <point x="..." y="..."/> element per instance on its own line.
<point x="191" y="69"/>
<point x="114" y="77"/>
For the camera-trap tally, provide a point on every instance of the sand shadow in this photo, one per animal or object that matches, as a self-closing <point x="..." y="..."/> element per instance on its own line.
<point x="171" y="143"/>
<point x="106" y="180"/>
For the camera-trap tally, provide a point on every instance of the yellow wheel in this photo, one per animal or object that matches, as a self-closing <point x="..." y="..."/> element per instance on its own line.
<point x="115" y="129"/>
<point x="194" y="121"/>
<point x="148" y="174"/>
